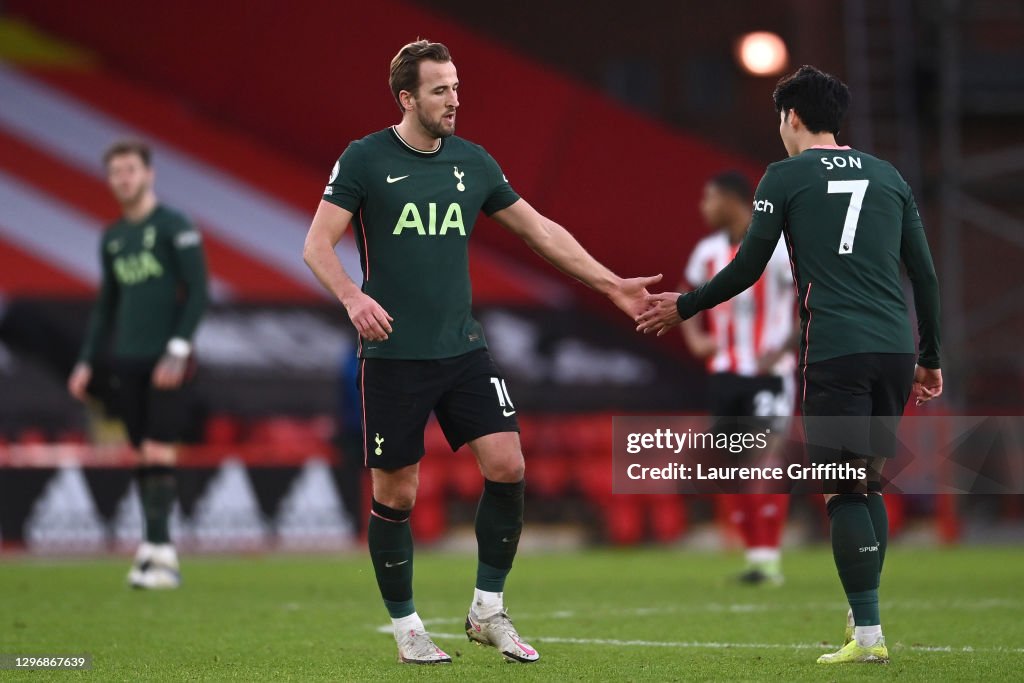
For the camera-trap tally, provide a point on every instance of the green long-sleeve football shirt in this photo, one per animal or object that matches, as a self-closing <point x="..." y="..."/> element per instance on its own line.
<point x="849" y="220"/>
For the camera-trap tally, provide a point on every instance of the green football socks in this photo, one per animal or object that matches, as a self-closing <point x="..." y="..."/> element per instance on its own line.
<point x="856" y="552"/>
<point x="157" y="489"/>
<point x="499" y="522"/>
<point x="390" y="540"/>
<point x="880" y="520"/>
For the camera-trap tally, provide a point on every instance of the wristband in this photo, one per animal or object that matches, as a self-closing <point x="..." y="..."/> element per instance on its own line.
<point x="178" y="347"/>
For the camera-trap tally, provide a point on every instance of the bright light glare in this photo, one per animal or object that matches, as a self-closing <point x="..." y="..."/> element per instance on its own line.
<point x="762" y="53"/>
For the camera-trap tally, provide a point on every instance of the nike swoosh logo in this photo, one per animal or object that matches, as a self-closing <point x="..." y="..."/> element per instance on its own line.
<point x="508" y="413"/>
<point x="395" y="180"/>
<point x="395" y="564"/>
<point x="525" y="649"/>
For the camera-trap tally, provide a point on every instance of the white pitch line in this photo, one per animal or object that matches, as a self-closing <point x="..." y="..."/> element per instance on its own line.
<point x="758" y="646"/>
<point x="747" y="608"/>
<point x="714" y="645"/>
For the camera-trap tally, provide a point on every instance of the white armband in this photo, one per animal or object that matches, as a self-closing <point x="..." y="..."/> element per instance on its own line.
<point x="179" y="347"/>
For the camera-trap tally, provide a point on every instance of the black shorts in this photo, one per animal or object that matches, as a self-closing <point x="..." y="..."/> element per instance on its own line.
<point x="852" y="405"/>
<point x="149" y="413"/>
<point x="467" y="393"/>
<point x="766" y="398"/>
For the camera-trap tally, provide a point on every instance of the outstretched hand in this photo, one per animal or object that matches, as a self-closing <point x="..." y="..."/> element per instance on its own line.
<point x="631" y="295"/>
<point x="661" y="314"/>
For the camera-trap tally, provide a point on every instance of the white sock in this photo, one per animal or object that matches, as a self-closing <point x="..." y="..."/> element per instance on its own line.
<point x="165" y="555"/>
<point x="867" y="635"/>
<point x="409" y="623"/>
<point x="763" y="555"/>
<point x="486" y="604"/>
<point x="144" y="552"/>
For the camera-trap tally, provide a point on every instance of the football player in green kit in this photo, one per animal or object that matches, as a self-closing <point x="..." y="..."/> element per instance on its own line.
<point x="152" y="295"/>
<point x="412" y="193"/>
<point x="849" y="220"/>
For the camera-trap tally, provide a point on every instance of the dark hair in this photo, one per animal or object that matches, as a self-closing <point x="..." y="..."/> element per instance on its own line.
<point x="819" y="98"/>
<point x="405" y="67"/>
<point x="734" y="183"/>
<point x="128" y="146"/>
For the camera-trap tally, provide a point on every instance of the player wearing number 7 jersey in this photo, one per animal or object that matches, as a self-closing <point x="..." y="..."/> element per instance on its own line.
<point x="849" y="220"/>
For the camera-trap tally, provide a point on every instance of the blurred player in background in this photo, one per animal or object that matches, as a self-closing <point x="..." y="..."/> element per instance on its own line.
<point x="849" y="220"/>
<point x="748" y="347"/>
<point x="152" y="296"/>
<point x="414" y="191"/>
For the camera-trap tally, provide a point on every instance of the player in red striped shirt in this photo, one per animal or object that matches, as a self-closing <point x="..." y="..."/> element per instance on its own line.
<point x="748" y="346"/>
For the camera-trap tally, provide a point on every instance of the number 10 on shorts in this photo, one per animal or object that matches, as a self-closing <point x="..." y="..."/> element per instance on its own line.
<point x="504" y="400"/>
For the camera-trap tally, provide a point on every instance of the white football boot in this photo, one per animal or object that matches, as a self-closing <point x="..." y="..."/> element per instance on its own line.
<point x="143" y="556"/>
<point x="158" y="570"/>
<point x="498" y="632"/>
<point x="416" y="647"/>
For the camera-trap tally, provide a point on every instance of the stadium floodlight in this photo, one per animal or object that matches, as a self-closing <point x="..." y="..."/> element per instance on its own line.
<point x="762" y="53"/>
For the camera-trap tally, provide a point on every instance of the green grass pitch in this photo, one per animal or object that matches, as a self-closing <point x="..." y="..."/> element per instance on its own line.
<point x="626" y="615"/>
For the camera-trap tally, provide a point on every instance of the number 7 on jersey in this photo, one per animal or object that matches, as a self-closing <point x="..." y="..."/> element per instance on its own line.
<point x="856" y="189"/>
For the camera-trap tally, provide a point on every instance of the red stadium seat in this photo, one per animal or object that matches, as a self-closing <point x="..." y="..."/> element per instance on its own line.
<point x="222" y="430"/>
<point x="547" y="475"/>
<point x="429" y="521"/>
<point x="464" y="478"/>
<point x="32" y="437"/>
<point x="434" y="441"/>
<point x="623" y="519"/>
<point x="433" y="473"/>
<point x="667" y="515"/>
<point x="73" y="436"/>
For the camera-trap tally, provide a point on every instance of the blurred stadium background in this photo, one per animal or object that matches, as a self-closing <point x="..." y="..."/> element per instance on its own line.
<point x="607" y="116"/>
